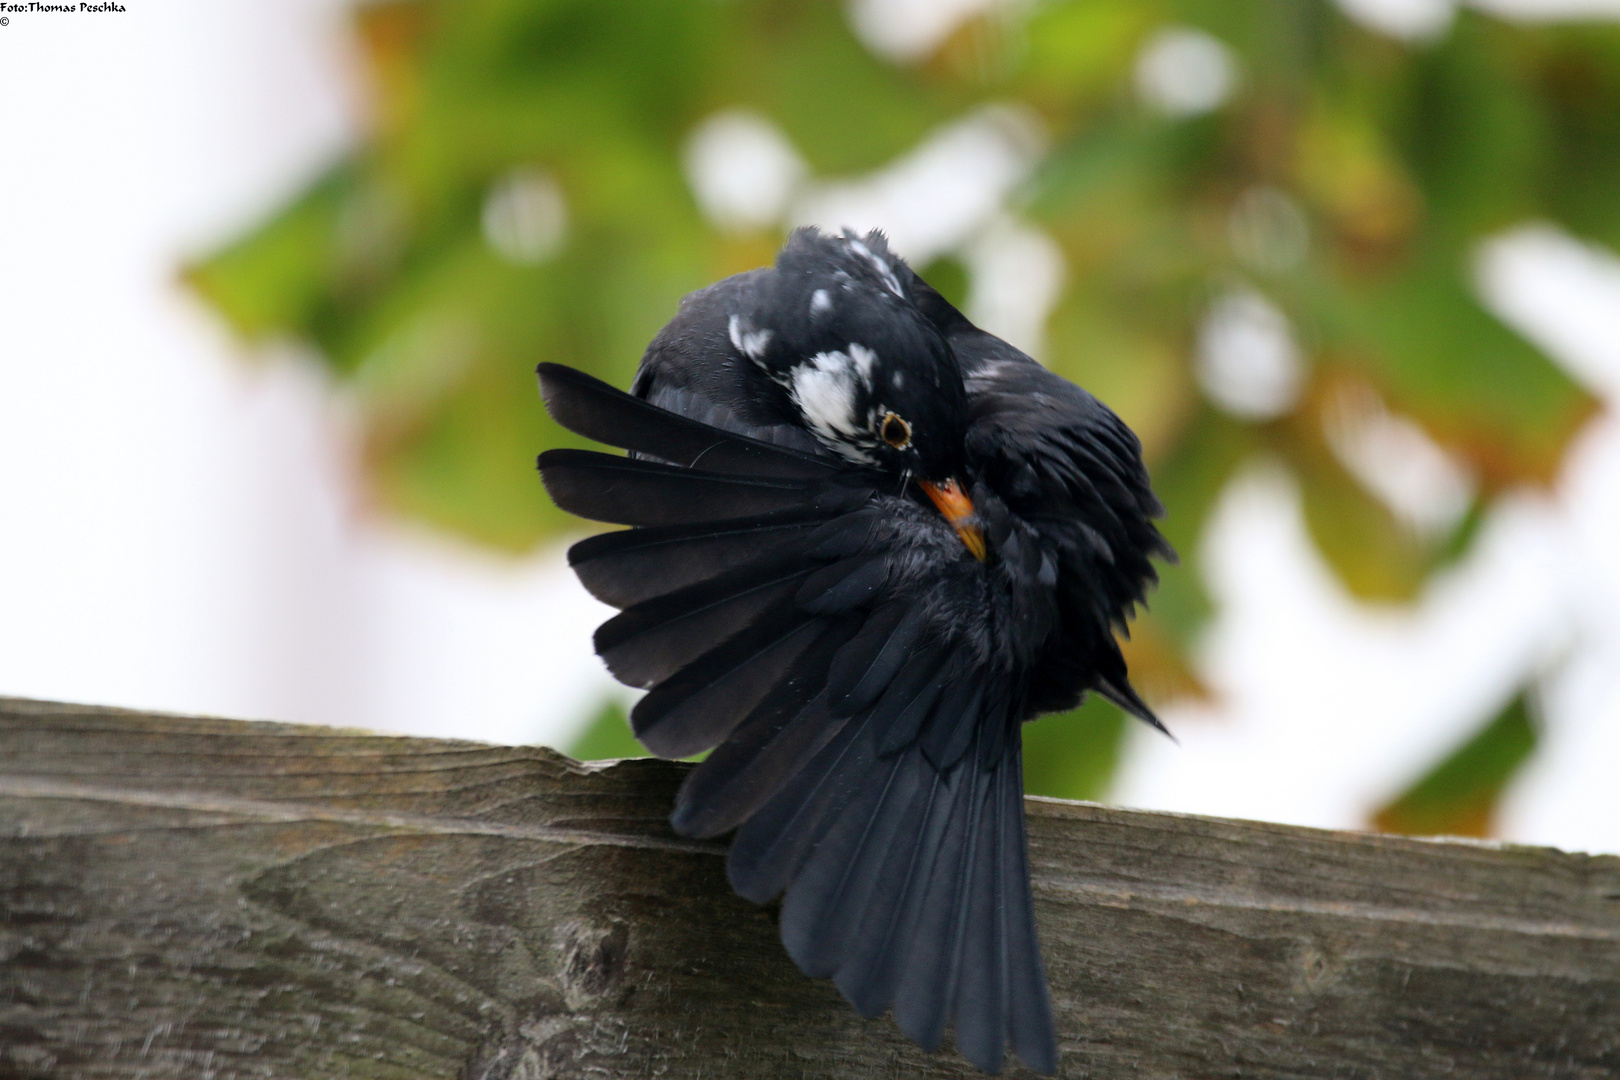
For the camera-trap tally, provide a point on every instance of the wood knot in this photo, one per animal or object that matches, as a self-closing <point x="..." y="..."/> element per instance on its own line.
<point x="592" y="960"/>
<point x="1318" y="969"/>
<point x="543" y="1049"/>
<point x="552" y="1047"/>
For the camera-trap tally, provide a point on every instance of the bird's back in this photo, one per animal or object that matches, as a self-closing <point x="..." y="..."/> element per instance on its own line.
<point x="692" y="368"/>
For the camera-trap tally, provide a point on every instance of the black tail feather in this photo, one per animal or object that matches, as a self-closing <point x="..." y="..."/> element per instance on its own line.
<point x="871" y="971"/>
<point x="926" y="988"/>
<point x="832" y="894"/>
<point x="910" y="698"/>
<point x="955" y="721"/>
<point x="1033" y="1037"/>
<point x="772" y="844"/>
<point x="980" y="1012"/>
<point x="908" y="886"/>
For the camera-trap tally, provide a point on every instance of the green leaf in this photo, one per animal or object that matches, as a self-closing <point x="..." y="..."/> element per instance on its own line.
<point x="607" y="737"/>
<point x="283" y="277"/>
<point x="1189" y="479"/>
<point x="1459" y="795"/>
<point x="1074" y="755"/>
<point x="1374" y="554"/>
<point x="949" y="278"/>
<point x="1422" y="338"/>
<point x="1577" y="75"/>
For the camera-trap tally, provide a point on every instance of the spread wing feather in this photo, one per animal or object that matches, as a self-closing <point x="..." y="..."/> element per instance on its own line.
<point x="590" y="407"/>
<point x="863" y="733"/>
<point x="700" y="704"/>
<point x="627" y="567"/>
<point x="648" y="643"/>
<point x="626" y="491"/>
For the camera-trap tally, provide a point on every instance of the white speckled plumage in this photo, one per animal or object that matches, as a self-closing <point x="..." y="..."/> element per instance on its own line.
<point x="748" y="341"/>
<point x="826" y="390"/>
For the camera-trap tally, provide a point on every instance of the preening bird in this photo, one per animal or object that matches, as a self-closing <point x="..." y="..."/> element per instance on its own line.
<point x="869" y="540"/>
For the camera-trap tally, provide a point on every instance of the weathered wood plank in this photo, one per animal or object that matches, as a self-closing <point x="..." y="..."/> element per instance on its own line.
<point x="185" y="897"/>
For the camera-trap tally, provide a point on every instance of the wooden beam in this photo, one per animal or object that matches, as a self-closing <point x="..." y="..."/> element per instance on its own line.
<point x="185" y="897"/>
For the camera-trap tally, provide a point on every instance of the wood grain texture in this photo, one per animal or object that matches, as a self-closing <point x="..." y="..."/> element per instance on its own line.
<point x="184" y="897"/>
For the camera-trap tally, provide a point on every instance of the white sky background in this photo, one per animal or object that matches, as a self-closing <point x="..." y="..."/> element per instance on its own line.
<point x="180" y="527"/>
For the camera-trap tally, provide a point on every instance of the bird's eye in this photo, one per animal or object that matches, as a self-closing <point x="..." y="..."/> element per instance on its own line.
<point x="896" y="432"/>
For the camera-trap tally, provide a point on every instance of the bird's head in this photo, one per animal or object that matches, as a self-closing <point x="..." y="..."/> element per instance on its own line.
<point x="868" y="373"/>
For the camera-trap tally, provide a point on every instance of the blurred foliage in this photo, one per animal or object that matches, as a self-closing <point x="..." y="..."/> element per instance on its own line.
<point x="607" y="737"/>
<point x="1458" y="797"/>
<point x="1390" y="161"/>
<point x="1073" y="755"/>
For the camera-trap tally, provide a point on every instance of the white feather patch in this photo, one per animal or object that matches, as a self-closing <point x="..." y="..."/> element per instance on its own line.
<point x="879" y="264"/>
<point x="820" y="301"/>
<point x="864" y="358"/>
<point x="751" y="343"/>
<point x="824" y="389"/>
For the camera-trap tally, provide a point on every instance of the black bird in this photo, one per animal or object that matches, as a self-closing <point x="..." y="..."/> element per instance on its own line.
<point x="870" y="540"/>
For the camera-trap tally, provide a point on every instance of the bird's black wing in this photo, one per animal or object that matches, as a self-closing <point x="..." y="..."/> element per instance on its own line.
<point x="1066" y="464"/>
<point x="858" y="676"/>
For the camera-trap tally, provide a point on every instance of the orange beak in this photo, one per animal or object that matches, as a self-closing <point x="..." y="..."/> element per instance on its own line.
<point x="958" y="510"/>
